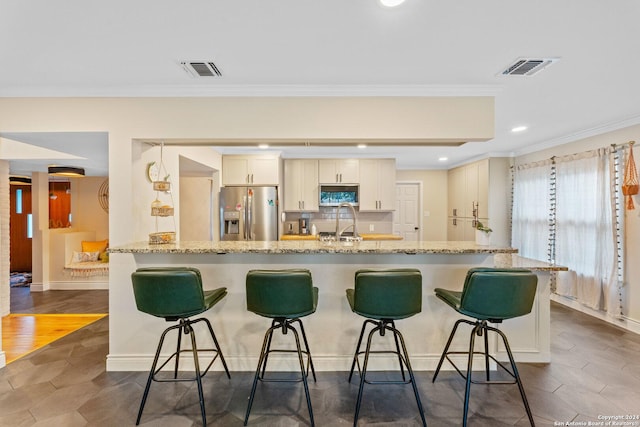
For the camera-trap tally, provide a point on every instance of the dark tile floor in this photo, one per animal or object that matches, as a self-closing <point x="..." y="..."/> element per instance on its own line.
<point x="595" y="371"/>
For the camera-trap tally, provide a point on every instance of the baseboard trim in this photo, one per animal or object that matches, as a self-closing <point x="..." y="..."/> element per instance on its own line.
<point x="140" y="362"/>
<point x="3" y="359"/>
<point x="627" y="323"/>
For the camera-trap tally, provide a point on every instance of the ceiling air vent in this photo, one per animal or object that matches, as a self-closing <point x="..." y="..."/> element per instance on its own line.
<point x="201" y="68"/>
<point x="528" y="66"/>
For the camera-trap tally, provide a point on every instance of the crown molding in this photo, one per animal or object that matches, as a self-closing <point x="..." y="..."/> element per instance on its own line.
<point x="252" y="91"/>
<point x="577" y="136"/>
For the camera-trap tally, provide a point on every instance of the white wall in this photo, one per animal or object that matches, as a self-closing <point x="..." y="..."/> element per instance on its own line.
<point x="632" y="218"/>
<point x="85" y="207"/>
<point x="5" y="216"/>
<point x="196" y="223"/>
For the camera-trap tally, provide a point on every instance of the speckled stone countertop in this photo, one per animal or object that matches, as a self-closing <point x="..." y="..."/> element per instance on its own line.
<point x="312" y="247"/>
<point x="516" y="261"/>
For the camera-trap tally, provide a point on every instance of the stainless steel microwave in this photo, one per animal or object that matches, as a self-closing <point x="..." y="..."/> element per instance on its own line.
<point x="333" y="195"/>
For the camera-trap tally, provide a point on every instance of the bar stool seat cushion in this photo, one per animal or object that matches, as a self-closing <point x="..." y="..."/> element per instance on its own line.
<point x="492" y="294"/>
<point x="383" y="300"/>
<point x="281" y="293"/>
<point x="173" y="293"/>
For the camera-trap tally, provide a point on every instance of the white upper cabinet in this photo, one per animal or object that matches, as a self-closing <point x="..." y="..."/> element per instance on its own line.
<point x="250" y="170"/>
<point x="377" y="185"/>
<point x="301" y="185"/>
<point x="339" y="171"/>
<point x="468" y="195"/>
<point x="456" y="192"/>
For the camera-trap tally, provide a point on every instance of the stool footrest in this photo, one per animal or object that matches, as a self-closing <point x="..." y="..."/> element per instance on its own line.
<point x="284" y="325"/>
<point x="403" y="358"/>
<point x="481" y="329"/>
<point x="498" y="363"/>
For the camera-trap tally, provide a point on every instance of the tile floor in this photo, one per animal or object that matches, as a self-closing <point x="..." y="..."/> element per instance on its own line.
<point x="595" y="371"/>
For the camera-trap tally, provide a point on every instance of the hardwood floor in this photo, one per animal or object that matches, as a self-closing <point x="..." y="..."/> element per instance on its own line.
<point x="594" y="372"/>
<point x="24" y="333"/>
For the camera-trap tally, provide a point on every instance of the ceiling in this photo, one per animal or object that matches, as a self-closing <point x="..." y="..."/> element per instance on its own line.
<point x="338" y="47"/>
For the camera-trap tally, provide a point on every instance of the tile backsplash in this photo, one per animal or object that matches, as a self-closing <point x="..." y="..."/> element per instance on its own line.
<point x="325" y="220"/>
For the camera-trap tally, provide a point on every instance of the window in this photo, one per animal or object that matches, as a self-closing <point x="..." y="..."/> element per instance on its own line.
<point x="563" y="213"/>
<point x="19" y="201"/>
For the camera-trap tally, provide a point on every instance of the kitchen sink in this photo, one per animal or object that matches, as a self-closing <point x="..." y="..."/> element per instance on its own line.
<point x="331" y="237"/>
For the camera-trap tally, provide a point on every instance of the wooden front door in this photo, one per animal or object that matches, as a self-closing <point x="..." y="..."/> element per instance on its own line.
<point x="20" y="242"/>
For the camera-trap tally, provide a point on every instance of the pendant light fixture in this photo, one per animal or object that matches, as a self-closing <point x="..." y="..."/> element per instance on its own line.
<point x="68" y="171"/>
<point x="19" y="180"/>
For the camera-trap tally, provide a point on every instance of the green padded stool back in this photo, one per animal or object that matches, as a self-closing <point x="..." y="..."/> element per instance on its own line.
<point x="498" y="294"/>
<point x="387" y="294"/>
<point x="285" y="293"/>
<point x="171" y="293"/>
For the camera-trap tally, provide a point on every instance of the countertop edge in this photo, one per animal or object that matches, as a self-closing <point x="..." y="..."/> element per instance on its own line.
<point x="312" y="247"/>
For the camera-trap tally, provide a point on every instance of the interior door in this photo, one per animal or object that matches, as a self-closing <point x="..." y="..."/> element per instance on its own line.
<point x="20" y="243"/>
<point x="406" y="217"/>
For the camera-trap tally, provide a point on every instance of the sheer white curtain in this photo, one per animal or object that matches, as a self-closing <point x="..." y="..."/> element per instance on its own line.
<point x="585" y="239"/>
<point x="530" y="221"/>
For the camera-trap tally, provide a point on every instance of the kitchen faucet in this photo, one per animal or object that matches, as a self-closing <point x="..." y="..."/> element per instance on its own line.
<point x="353" y="213"/>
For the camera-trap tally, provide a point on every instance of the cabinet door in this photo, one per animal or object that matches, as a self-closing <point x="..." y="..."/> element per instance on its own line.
<point x="292" y="183"/>
<point x="235" y="170"/>
<point x="340" y="171"/>
<point x="386" y="184"/>
<point x="348" y="170"/>
<point x="455" y="227"/>
<point x="301" y="185"/>
<point x="377" y="185"/>
<point x="483" y="189"/>
<point x="471" y="189"/>
<point x="309" y="185"/>
<point x="327" y="171"/>
<point x="469" y="230"/>
<point x="368" y="190"/>
<point x="264" y="170"/>
<point x="456" y="192"/>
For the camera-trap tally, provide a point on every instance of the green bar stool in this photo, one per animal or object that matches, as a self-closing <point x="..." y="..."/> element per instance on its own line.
<point x="383" y="296"/>
<point x="489" y="295"/>
<point x="176" y="294"/>
<point x="284" y="296"/>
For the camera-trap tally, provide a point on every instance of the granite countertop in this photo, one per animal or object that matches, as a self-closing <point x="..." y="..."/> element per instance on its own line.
<point x="365" y="236"/>
<point x="516" y="261"/>
<point x="313" y="247"/>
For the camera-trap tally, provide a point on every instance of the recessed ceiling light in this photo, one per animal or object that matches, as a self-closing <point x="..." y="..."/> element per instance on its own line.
<point x="443" y="159"/>
<point x="391" y="3"/>
<point x="519" y="129"/>
<point x="263" y="146"/>
<point x="361" y="146"/>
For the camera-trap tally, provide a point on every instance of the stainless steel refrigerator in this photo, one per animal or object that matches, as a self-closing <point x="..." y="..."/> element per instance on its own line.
<point x="249" y="213"/>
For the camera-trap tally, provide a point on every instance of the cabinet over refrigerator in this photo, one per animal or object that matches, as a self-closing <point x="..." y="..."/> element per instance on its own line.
<point x="249" y="213"/>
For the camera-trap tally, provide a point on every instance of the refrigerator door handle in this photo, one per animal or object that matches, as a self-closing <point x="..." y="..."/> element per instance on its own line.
<point x="249" y="217"/>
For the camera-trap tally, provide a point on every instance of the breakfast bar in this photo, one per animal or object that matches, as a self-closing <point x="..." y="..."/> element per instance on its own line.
<point x="333" y="329"/>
